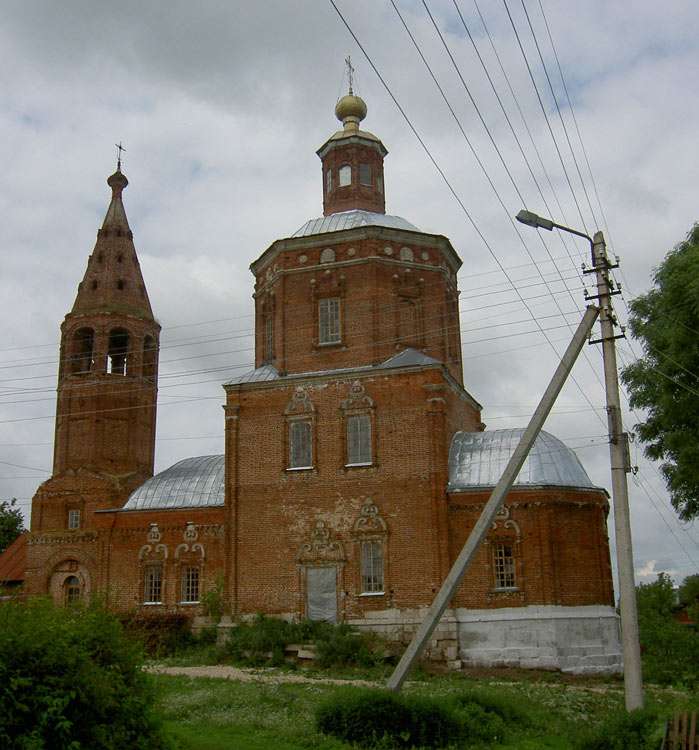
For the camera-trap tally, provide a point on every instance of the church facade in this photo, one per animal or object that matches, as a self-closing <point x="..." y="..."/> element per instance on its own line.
<point x="355" y="465"/>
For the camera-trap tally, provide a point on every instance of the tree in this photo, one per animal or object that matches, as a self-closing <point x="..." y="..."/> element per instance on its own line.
<point x="665" y="382"/>
<point x="71" y="679"/>
<point x="11" y="523"/>
<point x="670" y="651"/>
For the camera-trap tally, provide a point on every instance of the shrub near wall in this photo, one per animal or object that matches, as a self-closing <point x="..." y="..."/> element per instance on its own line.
<point x="70" y="679"/>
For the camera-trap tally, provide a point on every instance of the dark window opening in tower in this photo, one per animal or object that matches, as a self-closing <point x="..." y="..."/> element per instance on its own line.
<point x="408" y="322"/>
<point x="268" y="337"/>
<point x="345" y="176"/>
<point x="120" y="284"/>
<point x="99" y="257"/>
<point x="150" y="353"/>
<point x="118" y="348"/>
<point x="82" y="360"/>
<point x="120" y="258"/>
<point x="365" y="174"/>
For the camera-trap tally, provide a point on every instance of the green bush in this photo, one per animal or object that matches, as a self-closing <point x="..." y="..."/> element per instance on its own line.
<point x="343" y="645"/>
<point x="261" y="641"/>
<point x="71" y="679"/>
<point x="373" y="717"/>
<point x="160" y="634"/>
<point x="640" y="729"/>
<point x="264" y="640"/>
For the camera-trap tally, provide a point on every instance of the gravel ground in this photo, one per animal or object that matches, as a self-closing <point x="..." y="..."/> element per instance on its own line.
<point x="222" y="672"/>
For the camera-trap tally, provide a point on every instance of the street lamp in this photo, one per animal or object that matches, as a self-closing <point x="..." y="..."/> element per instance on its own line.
<point x="618" y="450"/>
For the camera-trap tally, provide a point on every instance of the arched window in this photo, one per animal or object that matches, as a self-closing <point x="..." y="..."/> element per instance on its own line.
<point x="117" y="352"/>
<point x="345" y="175"/>
<point x="83" y="340"/>
<point x="150" y="355"/>
<point x="71" y="591"/>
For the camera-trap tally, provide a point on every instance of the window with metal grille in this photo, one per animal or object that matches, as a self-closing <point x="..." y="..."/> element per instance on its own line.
<point x="74" y="519"/>
<point x="190" y="585"/>
<point x="329" y="320"/>
<point x="300" y="452"/>
<point x="359" y="439"/>
<point x="504" y="566"/>
<point x="71" y="591"/>
<point x="154" y="585"/>
<point x="372" y="566"/>
<point x="365" y="174"/>
<point x="328" y="181"/>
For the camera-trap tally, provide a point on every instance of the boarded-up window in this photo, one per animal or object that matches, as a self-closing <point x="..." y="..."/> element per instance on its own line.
<point x="345" y="175"/>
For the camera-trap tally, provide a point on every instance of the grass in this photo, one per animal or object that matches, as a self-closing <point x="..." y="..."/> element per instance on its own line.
<point x="548" y="710"/>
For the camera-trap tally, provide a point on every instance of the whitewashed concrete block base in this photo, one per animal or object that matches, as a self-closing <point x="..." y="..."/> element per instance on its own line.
<point x="582" y="640"/>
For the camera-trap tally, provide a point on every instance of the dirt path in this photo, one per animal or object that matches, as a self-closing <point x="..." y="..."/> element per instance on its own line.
<point x="222" y="672"/>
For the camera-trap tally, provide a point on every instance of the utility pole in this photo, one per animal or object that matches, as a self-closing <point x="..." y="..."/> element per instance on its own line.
<point x="621" y="465"/>
<point x="497" y="498"/>
<point x="619" y="455"/>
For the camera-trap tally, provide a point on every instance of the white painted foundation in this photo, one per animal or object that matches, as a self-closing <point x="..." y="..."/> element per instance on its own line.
<point x="582" y="640"/>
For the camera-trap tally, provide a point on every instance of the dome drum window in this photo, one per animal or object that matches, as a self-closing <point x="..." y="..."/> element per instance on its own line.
<point x="345" y="176"/>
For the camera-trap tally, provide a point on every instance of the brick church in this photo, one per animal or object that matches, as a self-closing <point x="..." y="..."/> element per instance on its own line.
<point x="355" y="465"/>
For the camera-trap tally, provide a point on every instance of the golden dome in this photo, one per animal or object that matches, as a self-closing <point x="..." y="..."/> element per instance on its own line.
<point x="351" y="110"/>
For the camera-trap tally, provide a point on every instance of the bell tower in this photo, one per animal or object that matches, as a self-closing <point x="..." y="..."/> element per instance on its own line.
<point x="107" y="380"/>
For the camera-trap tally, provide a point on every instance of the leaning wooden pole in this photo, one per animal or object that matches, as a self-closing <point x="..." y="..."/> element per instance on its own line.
<point x="463" y="561"/>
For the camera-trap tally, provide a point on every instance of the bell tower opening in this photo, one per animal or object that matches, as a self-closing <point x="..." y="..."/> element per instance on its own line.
<point x="118" y="351"/>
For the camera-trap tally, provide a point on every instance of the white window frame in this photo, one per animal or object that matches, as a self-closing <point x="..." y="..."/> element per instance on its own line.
<point x="73" y="519"/>
<point x="344" y="175"/>
<point x="153" y="584"/>
<point x="359" y="450"/>
<point x="300" y="444"/>
<point x="371" y="566"/>
<point x="189" y="589"/>
<point x="504" y="566"/>
<point x="329" y="320"/>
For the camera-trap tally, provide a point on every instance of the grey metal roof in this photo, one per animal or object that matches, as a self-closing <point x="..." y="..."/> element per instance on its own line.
<point x="478" y="459"/>
<point x="191" y="483"/>
<point x="406" y="358"/>
<point x="266" y="372"/>
<point x="350" y="220"/>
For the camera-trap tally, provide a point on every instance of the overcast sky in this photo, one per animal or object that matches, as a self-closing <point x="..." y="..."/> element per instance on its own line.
<point x="221" y="105"/>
